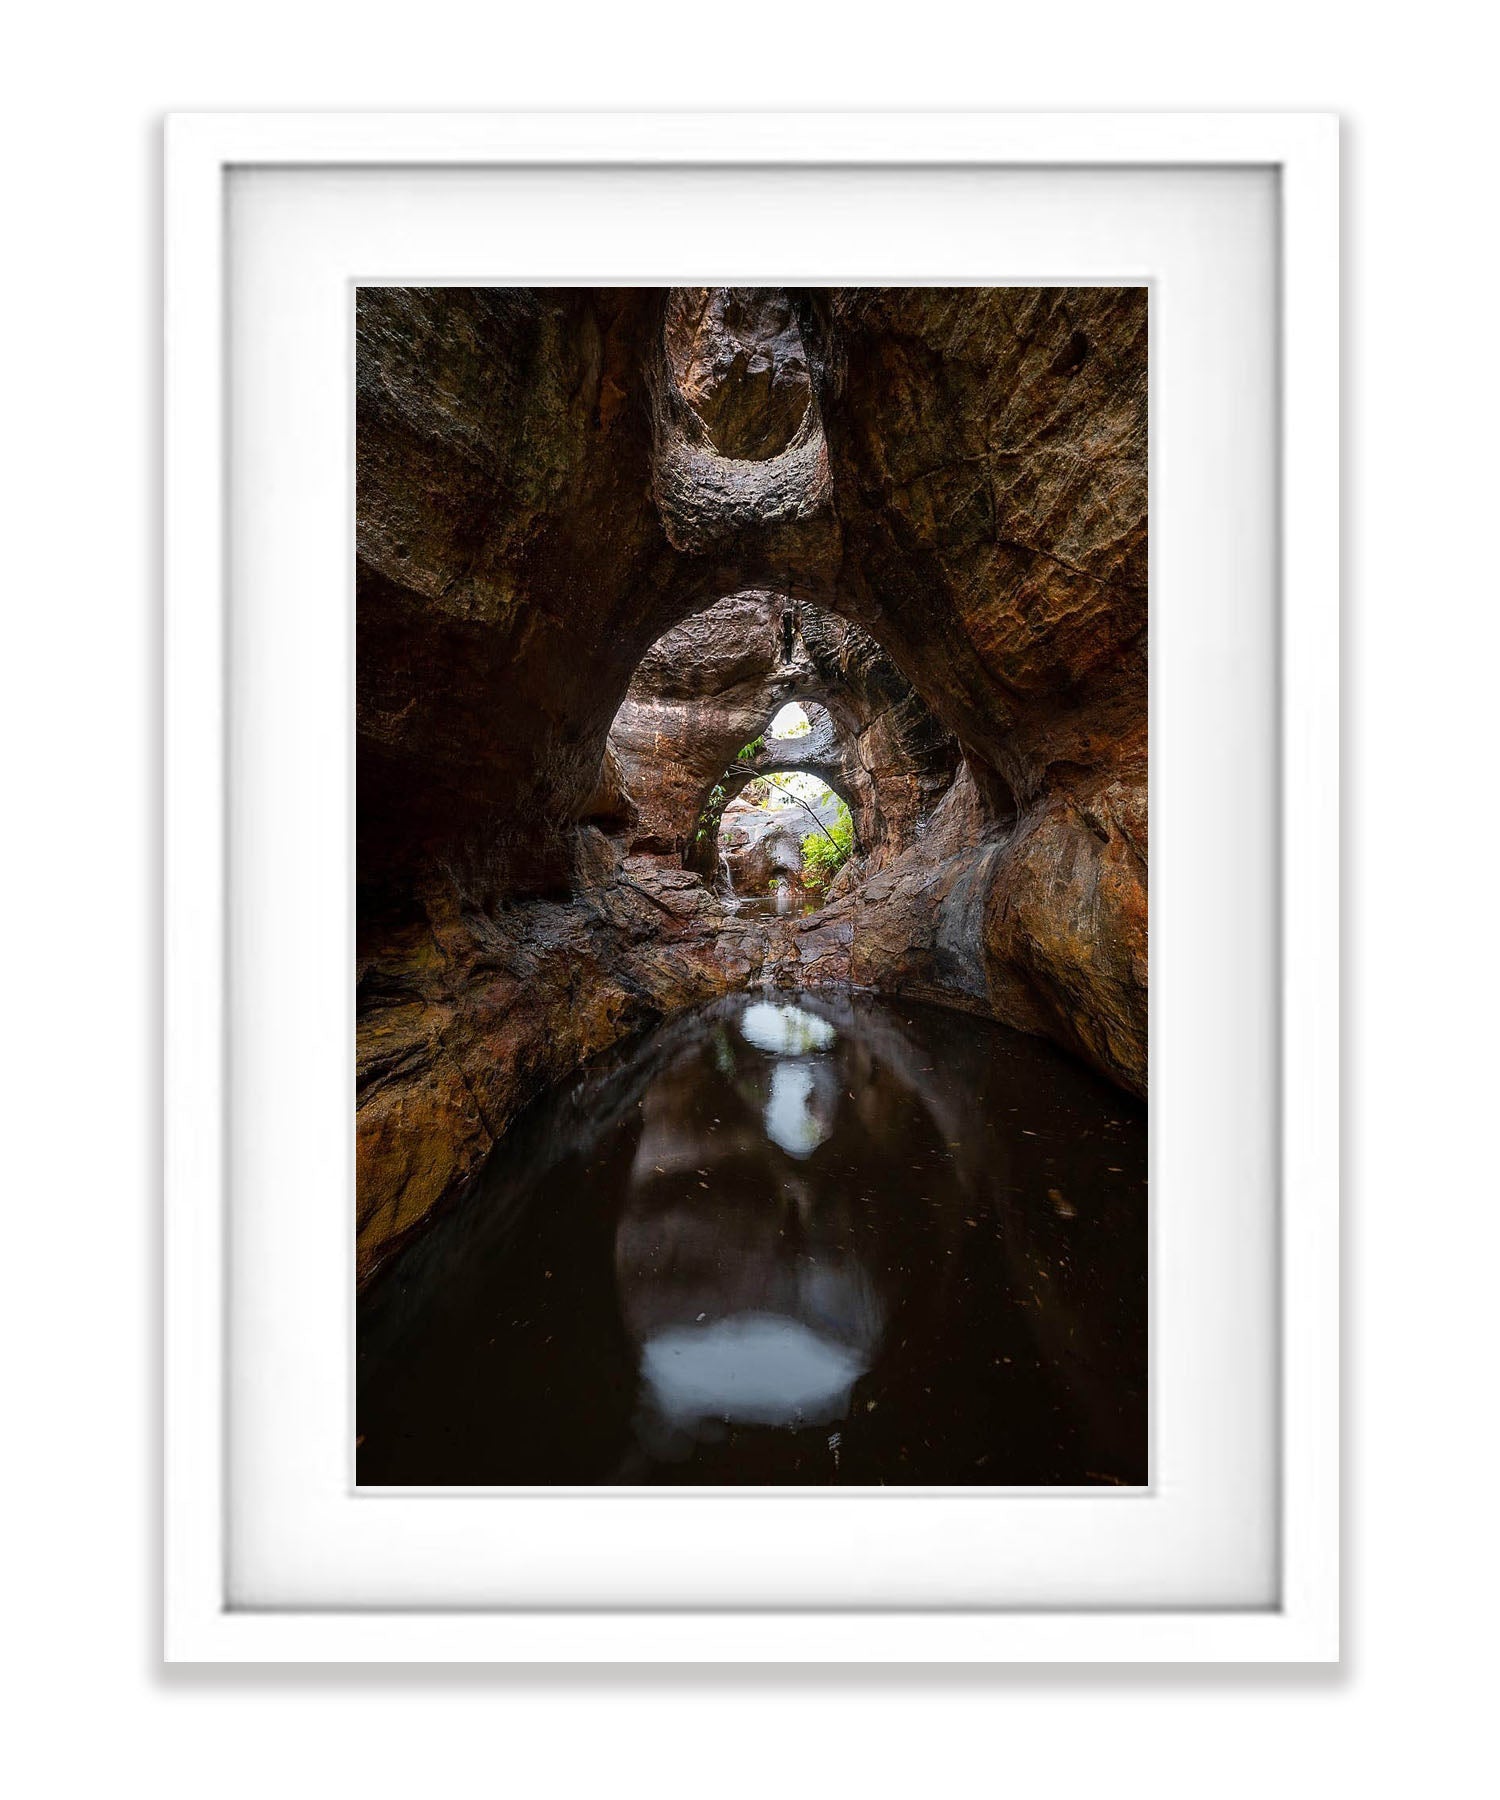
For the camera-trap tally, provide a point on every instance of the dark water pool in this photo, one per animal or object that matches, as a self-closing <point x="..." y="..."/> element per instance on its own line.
<point x="769" y="906"/>
<point x="782" y="1239"/>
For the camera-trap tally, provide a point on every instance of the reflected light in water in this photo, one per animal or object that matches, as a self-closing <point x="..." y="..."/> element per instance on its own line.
<point x="786" y="1030"/>
<point x="791" y="1122"/>
<point x="750" y="1369"/>
<point x="699" y="1262"/>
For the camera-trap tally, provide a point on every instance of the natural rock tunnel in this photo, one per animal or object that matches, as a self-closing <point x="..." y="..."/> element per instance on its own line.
<point x="698" y="714"/>
<point x="603" y="537"/>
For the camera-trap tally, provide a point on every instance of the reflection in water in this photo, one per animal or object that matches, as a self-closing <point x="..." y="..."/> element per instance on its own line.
<point x="753" y="1369"/>
<point x="791" y="1115"/>
<point x="785" y="1030"/>
<point x="833" y="1240"/>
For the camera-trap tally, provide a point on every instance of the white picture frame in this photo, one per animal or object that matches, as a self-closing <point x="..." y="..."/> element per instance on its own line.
<point x="202" y="1622"/>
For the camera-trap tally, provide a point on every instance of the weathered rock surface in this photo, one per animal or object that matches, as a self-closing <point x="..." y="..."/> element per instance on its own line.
<point x="737" y="357"/>
<point x="666" y="513"/>
<point x="467" y="1017"/>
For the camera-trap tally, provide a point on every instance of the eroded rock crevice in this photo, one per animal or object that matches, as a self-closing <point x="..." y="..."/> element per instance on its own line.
<point x="603" y="538"/>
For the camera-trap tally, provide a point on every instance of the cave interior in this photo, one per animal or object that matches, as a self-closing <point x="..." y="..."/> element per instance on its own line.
<point x="605" y="539"/>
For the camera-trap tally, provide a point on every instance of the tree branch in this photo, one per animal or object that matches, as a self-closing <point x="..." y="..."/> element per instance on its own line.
<point x="808" y="810"/>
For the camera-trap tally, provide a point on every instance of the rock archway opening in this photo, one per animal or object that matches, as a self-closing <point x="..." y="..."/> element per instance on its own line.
<point x="781" y="842"/>
<point x="791" y="722"/>
<point x="718" y="720"/>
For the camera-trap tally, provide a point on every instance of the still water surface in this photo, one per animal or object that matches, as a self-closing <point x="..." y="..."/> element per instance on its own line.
<point x="782" y="1239"/>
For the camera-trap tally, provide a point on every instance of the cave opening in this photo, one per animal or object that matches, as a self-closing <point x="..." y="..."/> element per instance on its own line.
<point x="833" y="746"/>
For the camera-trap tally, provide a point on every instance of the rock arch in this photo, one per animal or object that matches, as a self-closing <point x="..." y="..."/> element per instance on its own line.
<point x="708" y="689"/>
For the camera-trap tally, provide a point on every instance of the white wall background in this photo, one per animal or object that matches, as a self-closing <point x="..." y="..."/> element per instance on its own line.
<point x="89" y="1707"/>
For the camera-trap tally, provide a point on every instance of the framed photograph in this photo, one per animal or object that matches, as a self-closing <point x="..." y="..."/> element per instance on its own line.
<point x="686" y="1140"/>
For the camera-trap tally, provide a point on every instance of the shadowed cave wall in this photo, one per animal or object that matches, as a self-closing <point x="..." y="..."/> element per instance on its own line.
<point x="602" y="536"/>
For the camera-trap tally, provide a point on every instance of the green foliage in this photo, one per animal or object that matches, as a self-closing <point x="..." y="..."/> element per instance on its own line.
<point x="824" y="854"/>
<point x="797" y="787"/>
<point x="751" y="750"/>
<point x="708" y="821"/>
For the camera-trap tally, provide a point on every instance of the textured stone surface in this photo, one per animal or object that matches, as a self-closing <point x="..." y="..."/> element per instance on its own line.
<point x="739" y="442"/>
<point x="737" y="358"/>
<point x="465" y="1019"/>
<point x="936" y="498"/>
